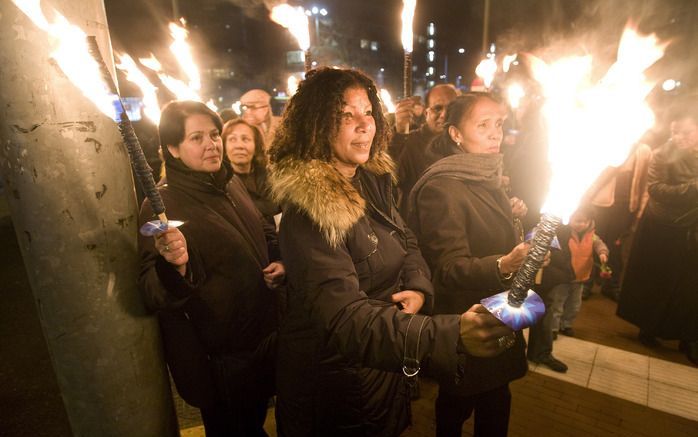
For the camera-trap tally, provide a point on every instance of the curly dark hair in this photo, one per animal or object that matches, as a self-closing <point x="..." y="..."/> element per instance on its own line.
<point x="259" y="159"/>
<point x="312" y="118"/>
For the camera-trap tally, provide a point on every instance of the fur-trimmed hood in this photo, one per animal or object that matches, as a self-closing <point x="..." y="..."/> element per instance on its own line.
<point x="321" y="192"/>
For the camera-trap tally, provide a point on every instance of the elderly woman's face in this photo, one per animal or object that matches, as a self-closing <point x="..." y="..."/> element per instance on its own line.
<point x="239" y="144"/>
<point x="352" y="145"/>
<point x="202" y="147"/>
<point x="481" y="130"/>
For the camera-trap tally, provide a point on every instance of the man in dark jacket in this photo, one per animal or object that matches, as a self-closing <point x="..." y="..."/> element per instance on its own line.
<point x="410" y="150"/>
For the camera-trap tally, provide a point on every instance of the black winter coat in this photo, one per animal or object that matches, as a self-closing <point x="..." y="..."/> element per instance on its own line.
<point x="344" y="342"/>
<point x="222" y="307"/>
<point x="659" y="293"/>
<point x="462" y="228"/>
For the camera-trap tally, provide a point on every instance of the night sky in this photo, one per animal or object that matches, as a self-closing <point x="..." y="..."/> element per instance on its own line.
<point x="237" y="35"/>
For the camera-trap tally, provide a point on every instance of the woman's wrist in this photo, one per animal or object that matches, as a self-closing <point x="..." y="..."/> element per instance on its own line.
<point x="504" y="273"/>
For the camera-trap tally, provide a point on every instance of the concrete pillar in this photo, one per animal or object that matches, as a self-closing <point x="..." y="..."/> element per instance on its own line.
<point x="71" y="195"/>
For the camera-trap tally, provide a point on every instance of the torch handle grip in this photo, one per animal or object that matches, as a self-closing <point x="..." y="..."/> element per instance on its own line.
<point x="143" y="172"/>
<point x="407" y="76"/>
<point x="545" y="232"/>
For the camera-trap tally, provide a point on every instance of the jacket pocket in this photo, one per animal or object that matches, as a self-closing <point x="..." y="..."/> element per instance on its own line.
<point x="367" y="258"/>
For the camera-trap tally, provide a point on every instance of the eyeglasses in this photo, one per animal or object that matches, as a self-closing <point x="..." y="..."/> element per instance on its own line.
<point x="245" y="108"/>
<point x="437" y="109"/>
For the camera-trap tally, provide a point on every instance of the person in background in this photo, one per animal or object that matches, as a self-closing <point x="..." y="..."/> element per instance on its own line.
<point x="410" y="150"/>
<point x="658" y="293"/>
<point x="580" y="240"/>
<point x="464" y="223"/>
<point x="228" y="114"/>
<point x="619" y="197"/>
<point x="212" y="280"/>
<point x="256" y="110"/>
<point x="244" y="147"/>
<point x="358" y="287"/>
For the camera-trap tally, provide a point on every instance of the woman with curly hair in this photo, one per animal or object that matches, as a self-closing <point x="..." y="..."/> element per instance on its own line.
<point x="358" y="287"/>
<point x="244" y="148"/>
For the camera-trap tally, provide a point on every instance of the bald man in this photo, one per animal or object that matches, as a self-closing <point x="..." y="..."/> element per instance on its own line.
<point x="410" y="156"/>
<point x="256" y="110"/>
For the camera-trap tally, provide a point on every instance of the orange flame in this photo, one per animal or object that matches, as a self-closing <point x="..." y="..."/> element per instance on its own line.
<point x="408" y="7"/>
<point x="486" y="70"/>
<point x="387" y="100"/>
<point x="135" y="75"/>
<point x="181" y="90"/>
<point x="506" y="62"/>
<point x="295" y="20"/>
<point x="291" y="85"/>
<point x="182" y="52"/>
<point x="515" y="93"/>
<point x="72" y="55"/>
<point x="212" y="105"/>
<point x="594" y="125"/>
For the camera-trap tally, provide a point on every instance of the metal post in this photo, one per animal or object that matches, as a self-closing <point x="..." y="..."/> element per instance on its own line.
<point x="71" y="195"/>
<point x="486" y="27"/>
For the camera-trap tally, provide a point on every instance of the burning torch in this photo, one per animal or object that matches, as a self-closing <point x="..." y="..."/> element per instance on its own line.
<point x="295" y="20"/>
<point x="408" y="7"/>
<point x="79" y="58"/>
<point x="585" y="136"/>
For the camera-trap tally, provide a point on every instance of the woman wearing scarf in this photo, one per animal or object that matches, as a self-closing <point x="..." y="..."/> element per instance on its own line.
<point x="464" y="223"/>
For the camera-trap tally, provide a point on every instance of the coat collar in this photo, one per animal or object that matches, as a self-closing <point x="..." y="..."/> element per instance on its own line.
<point x="317" y="189"/>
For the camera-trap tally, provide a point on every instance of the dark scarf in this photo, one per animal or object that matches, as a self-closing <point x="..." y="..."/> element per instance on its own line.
<point x="480" y="168"/>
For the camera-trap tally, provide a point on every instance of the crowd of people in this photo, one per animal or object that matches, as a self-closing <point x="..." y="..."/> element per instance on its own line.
<point x="330" y="256"/>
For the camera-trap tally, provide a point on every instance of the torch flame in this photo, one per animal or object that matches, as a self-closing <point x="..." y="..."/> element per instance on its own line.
<point x="506" y="62"/>
<point x="295" y="20"/>
<point x="291" y="85"/>
<point x="387" y="100"/>
<point x="408" y="7"/>
<point x="515" y="93"/>
<point x="486" y="70"/>
<point x="212" y="105"/>
<point x="181" y="90"/>
<point x="135" y="75"/>
<point x="182" y="52"/>
<point x="72" y="55"/>
<point x="594" y="125"/>
<point x="151" y="63"/>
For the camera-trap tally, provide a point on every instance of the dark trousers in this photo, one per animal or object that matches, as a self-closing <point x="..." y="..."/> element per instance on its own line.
<point x="491" y="413"/>
<point x="540" y="335"/>
<point x="243" y="417"/>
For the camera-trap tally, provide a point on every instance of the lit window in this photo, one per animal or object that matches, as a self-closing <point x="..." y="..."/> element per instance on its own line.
<point x="430" y="56"/>
<point x="431" y="29"/>
<point x="365" y="44"/>
<point x="430" y="43"/>
<point x="374" y="46"/>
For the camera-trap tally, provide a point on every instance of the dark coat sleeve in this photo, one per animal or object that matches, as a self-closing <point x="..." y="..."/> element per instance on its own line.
<point x="442" y="220"/>
<point x="660" y="184"/>
<point x="160" y="283"/>
<point x="365" y="331"/>
<point x="415" y="272"/>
